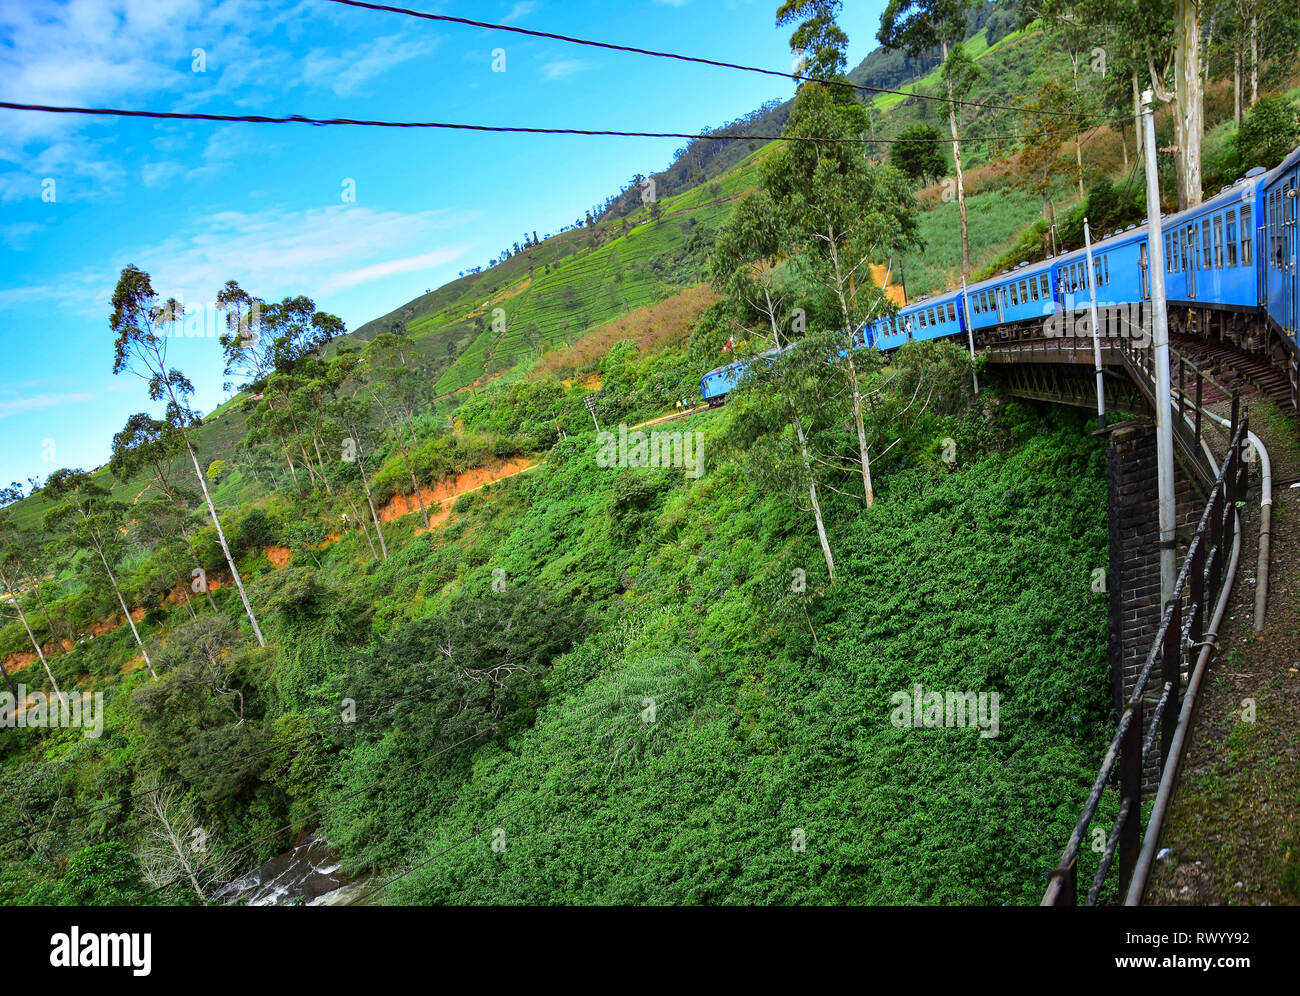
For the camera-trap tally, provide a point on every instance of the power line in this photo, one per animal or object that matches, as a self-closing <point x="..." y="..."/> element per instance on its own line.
<point x="796" y="77"/>
<point x="459" y="126"/>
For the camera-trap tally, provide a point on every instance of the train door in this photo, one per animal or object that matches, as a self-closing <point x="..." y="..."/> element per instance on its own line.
<point x="999" y="295"/>
<point x="1289" y="279"/>
<point x="1144" y="268"/>
<point x="1189" y="259"/>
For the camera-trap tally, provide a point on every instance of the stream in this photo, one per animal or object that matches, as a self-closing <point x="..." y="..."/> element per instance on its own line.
<point x="309" y="873"/>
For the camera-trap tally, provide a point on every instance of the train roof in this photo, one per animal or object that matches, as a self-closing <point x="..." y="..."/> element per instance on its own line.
<point x="927" y="301"/>
<point x="1225" y="196"/>
<point x="727" y="366"/>
<point x="1284" y="166"/>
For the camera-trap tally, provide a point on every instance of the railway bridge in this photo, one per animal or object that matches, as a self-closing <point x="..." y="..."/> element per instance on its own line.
<point x="1157" y="652"/>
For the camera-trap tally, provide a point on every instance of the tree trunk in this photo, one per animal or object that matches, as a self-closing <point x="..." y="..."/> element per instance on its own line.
<point x="361" y="520"/>
<point x="803" y="453"/>
<point x="35" y="643"/>
<point x="1078" y="135"/>
<point x="1209" y="47"/>
<point x="1236" y="89"/>
<point x="961" y="184"/>
<point x="125" y="611"/>
<point x="812" y="494"/>
<point x="207" y="588"/>
<point x="1139" y="139"/>
<point x="867" y="490"/>
<point x="306" y="460"/>
<point x="324" y="477"/>
<point x="225" y="547"/>
<point x="36" y="590"/>
<point x="9" y="681"/>
<point x="369" y="499"/>
<point x="1188" y="100"/>
<point x="1078" y="161"/>
<point x="414" y="485"/>
<point x="1254" y="59"/>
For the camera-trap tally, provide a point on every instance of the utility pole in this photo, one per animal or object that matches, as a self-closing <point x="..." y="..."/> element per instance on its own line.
<point x="1096" y="329"/>
<point x="1160" y="345"/>
<point x="591" y="407"/>
<point x="970" y="334"/>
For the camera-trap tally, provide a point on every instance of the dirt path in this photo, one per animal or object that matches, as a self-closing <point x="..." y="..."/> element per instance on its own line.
<point x="1232" y="836"/>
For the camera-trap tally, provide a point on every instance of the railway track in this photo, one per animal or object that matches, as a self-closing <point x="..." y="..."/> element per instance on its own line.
<point x="1234" y="369"/>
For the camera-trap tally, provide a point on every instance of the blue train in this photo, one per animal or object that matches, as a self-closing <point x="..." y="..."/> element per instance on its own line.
<point x="1230" y="273"/>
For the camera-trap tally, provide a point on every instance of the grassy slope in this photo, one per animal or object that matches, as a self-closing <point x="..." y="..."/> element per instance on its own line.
<point x="759" y="729"/>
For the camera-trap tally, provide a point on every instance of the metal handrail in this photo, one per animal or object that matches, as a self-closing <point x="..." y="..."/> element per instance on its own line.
<point x="1201" y="578"/>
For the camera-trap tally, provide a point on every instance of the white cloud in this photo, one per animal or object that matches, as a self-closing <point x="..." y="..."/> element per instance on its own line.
<point x="519" y="10"/>
<point x="156" y="174"/>
<point x="16" y="235"/>
<point x="343" y="71"/>
<point x="377" y="271"/>
<point x="560" y="68"/>
<point x="37" y="402"/>
<point x="316" y="252"/>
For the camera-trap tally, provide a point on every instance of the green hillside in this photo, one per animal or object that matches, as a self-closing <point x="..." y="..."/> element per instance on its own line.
<point x="520" y="627"/>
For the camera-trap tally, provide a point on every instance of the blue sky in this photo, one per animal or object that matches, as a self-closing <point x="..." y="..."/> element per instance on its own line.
<point x="196" y="204"/>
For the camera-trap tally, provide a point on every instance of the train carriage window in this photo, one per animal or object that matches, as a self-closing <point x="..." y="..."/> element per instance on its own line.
<point x="952" y="314"/>
<point x="1143" y="268"/>
<point x="1270" y="226"/>
<point x="932" y="321"/>
<point x="1275" y="230"/>
<point x="922" y="314"/>
<point x="1207" y="244"/>
<point x="1105" y="266"/>
<point x="1033" y="288"/>
<point x="975" y="304"/>
<point x="1045" y="285"/>
<point x="1247" y="235"/>
<point x="1218" y="241"/>
<point x="1015" y="297"/>
<point x="1169" y="254"/>
<point x="1230" y="238"/>
<point x="1024" y="293"/>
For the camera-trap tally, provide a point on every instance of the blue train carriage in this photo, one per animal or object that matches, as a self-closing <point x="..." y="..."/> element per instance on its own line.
<point x="1211" y="253"/>
<point x="1279" y="286"/>
<point x="1025" y="300"/>
<point x="721" y="381"/>
<point x="934" y="317"/>
<point x="1014" y="299"/>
